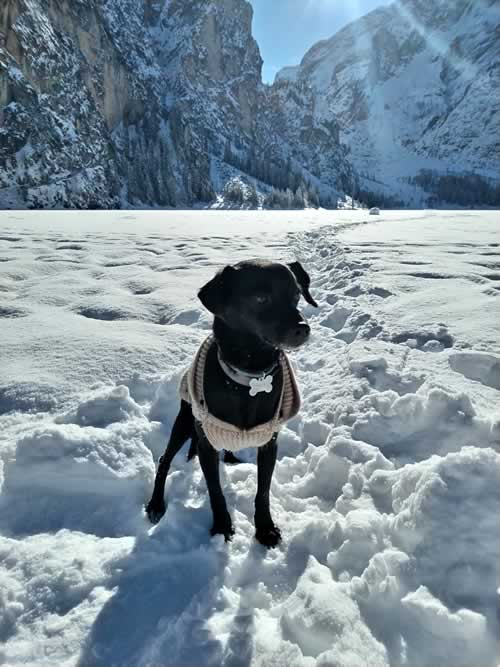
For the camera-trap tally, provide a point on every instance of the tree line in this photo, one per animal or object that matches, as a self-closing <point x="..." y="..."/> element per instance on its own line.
<point x="288" y="187"/>
<point x="463" y="189"/>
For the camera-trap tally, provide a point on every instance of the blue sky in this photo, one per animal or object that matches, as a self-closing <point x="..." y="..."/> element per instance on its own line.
<point x="285" y="29"/>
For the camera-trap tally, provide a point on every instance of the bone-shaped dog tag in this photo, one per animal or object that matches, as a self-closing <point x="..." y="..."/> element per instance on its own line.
<point x="258" y="385"/>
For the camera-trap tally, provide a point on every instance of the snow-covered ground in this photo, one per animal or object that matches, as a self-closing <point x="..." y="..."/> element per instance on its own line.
<point x="387" y="488"/>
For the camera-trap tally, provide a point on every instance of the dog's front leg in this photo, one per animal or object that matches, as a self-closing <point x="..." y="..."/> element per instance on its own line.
<point x="265" y="531"/>
<point x="209" y="461"/>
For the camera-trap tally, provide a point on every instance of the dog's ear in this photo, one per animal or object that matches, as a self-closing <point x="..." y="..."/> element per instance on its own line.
<point x="215" y="293"/>
<point x="302" y="277"/>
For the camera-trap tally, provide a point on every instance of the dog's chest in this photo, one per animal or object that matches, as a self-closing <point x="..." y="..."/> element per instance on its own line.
<point x="231" y="402"/>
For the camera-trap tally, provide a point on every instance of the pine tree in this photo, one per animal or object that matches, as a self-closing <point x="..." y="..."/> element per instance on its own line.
<point x="299" y="199"/>
<point x="252" y="197"/>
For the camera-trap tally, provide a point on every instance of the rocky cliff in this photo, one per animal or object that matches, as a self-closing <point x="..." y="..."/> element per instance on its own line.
<point x="413" y="86"/>
<point x="108" y="103"/>
<point x="82" y="117"/>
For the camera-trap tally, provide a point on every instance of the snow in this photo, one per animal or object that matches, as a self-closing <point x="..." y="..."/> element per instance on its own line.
<point x="387" y="486"/>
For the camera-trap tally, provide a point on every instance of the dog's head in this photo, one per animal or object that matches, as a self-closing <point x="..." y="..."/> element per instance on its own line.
<point x="261" y="298"/>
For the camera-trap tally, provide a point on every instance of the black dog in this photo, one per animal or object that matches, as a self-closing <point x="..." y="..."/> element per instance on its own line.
<point x="255" y="305"/>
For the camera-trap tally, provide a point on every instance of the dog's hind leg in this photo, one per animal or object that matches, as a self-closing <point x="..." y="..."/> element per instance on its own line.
<point x="193" y="449"/>
<point x="265" y="531"/>
<point x="209" y="461"/>
<point x="230" y="458"/>
<point x="182" y="430"/>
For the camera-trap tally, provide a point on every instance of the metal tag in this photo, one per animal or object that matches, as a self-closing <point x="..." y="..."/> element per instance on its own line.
<point x="258" y="385"/>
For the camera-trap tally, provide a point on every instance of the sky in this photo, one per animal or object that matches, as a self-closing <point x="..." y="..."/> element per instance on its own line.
<point x="286" y="29"/>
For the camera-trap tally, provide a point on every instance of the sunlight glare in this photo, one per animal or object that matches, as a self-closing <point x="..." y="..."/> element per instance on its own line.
<point x="438" y="44"/>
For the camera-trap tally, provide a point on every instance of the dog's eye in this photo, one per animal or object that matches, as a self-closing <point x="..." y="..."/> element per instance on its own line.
<point x="263" y="299"/>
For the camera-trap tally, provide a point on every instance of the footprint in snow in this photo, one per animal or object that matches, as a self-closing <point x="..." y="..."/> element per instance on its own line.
<point x="480" y="366"/>
<point x="70" y="246"/>
<point x="425" y="340"/>
<point x="337" y="318"/>
<point x="9" y="312"/>
<point x="103" y="313"/>
<point x="414" y="262"/>
<point x="380" y="291"/>
<point x="354" y="291"/>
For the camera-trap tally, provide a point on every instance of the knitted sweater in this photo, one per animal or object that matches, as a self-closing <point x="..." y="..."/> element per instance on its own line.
<point x="224" y="435"/>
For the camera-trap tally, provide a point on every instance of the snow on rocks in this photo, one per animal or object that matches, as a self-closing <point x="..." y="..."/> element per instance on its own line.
<point x="386" y="487"/>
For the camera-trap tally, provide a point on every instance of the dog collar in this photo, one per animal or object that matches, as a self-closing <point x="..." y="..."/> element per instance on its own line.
<point x="222" y="434"/>
<point x="257" y="382"/>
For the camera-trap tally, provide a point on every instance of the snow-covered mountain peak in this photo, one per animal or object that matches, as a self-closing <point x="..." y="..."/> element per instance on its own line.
<point x="410" y="84"/>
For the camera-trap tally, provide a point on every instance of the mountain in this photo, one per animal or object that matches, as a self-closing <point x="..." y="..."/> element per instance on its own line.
<point x="157" y="103"/>
<point x="414" y="88"/>
<point x="107" y="103"/>
<point x="77" y="104"/>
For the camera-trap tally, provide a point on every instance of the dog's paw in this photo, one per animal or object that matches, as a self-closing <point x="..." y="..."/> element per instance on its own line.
<point x="268" y="535"/>
<point x="155" y="509"/>
<point x="223" y="526"/>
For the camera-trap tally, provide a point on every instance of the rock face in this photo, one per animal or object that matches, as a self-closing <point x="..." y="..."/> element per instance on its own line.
<point x="81" y="111"/>
<point x="107" y="103"/>
<point x="413" y="87"/>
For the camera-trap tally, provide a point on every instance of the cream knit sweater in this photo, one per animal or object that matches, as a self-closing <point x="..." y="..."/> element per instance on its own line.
<point x="223" y="435"/>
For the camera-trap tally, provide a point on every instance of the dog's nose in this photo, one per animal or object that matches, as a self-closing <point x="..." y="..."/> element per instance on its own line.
<point x="301" y="332"/>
